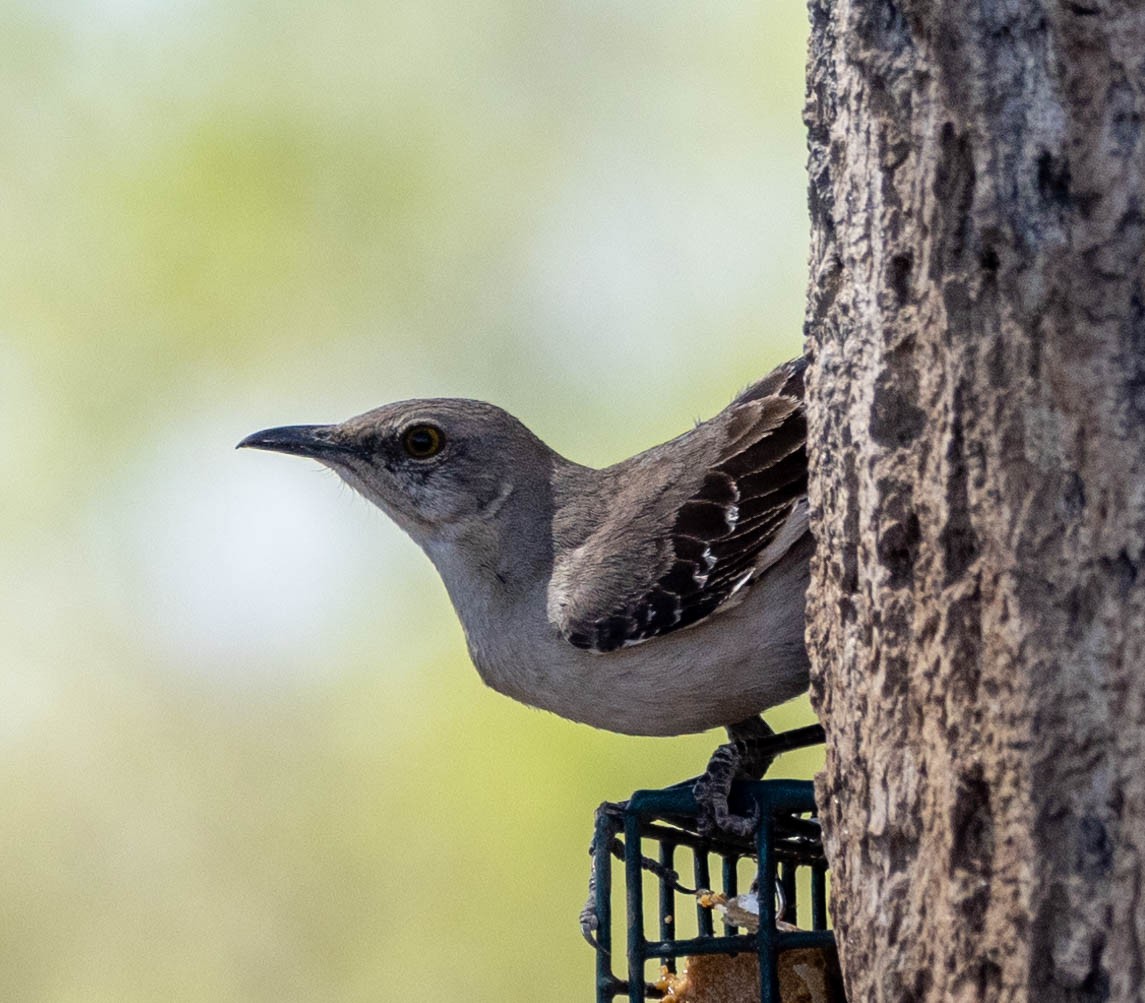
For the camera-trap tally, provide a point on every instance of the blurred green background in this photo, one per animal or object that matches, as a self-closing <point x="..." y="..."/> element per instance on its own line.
<point x="242" y="753"/>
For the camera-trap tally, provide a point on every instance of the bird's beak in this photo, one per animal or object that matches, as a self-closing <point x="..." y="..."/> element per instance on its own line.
<point x="320" y="442"/>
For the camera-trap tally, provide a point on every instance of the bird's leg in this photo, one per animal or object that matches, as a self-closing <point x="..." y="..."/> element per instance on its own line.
<point x="744" y="756"/>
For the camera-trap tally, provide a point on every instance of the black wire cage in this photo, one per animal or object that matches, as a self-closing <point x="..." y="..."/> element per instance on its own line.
<point x="786" y="856"/>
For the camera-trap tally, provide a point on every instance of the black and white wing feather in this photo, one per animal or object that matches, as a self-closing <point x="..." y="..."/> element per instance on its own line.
<point x="711" y="511"/>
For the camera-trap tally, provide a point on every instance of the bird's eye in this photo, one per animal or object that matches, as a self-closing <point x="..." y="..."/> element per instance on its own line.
<point x="423" y="441"/>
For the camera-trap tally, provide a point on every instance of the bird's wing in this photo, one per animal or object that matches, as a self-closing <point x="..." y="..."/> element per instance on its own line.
<point x="711" y="511"/>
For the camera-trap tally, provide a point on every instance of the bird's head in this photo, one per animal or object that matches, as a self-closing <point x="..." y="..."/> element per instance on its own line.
<point x="441" y="469"/>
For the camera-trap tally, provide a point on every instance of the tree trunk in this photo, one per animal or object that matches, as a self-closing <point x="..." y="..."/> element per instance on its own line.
<point x="976" y="326"/>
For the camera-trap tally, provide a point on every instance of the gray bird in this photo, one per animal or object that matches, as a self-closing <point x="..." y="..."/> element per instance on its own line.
<point x="659" y="596"/>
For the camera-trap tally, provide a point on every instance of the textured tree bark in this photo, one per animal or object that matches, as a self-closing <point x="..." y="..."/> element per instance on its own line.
<point x="976" y="324"/>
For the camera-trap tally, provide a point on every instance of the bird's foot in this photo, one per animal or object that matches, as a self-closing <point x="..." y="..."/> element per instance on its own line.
<point x="589" y="920"/>
<point x="744" y="756"/>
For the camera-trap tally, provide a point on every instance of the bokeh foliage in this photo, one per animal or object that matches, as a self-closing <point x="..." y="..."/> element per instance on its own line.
<point x="242" y="754"/>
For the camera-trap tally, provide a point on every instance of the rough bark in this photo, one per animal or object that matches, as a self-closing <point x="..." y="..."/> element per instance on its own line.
<point x="976" y="325"/>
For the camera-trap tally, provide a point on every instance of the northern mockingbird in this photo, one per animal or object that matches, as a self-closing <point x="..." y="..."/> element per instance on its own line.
<point x="659" y="596"/>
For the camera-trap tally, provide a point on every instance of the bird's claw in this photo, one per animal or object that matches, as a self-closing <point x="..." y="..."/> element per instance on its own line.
<point x="589" y="921"/>
<point x="741" y="757"/>
<point x="715" y="815"/>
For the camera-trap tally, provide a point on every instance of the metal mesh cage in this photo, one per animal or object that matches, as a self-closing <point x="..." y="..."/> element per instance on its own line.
<point x="648" y="831"/>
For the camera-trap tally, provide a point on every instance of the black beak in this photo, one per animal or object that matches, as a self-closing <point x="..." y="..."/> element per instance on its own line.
<point x="316" y="441"/>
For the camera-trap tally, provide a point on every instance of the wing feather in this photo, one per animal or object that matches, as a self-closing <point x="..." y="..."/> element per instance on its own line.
<point x="732" y="521"/>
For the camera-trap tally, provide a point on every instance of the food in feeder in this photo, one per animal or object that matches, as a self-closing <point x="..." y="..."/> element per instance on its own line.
<point x="741" y="911"/>
<point x="806" y="974"/>
<point x="713" y="978"/>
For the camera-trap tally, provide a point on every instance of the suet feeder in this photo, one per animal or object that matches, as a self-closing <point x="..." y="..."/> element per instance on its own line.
<point x="785" y="858"/>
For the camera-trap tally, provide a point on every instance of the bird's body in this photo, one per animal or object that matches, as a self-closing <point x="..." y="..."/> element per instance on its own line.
<point x="710" y="675"/>
<point x="659" y="596"/>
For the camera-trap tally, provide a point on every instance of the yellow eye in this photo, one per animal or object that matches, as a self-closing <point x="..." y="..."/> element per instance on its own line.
<point x="423" y="441"/>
